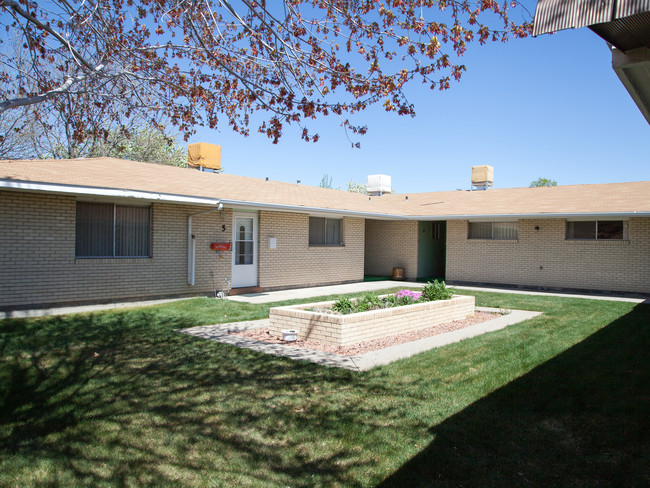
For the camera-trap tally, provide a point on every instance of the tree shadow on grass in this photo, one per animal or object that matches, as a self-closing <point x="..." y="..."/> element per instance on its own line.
<point x="122" y="399"/>
<point x="580" y="419"/>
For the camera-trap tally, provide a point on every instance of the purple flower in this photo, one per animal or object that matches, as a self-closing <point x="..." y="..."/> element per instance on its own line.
<point x="415" y="295"/>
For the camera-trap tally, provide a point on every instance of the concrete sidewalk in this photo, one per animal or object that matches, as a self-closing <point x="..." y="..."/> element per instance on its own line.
<point x="265" y="297"/>
<point x="361" y="362"/>
<point x="299" y="293"/>
<point x="318" y="291"/>
<point x="48" y="312"/>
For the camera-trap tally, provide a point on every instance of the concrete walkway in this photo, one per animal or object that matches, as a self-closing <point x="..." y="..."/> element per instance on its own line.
<point x="300" y="293"/>
<point x="47" y="312"/>
<point x="318" y="291"/>
<point x="266" y="297"/>
<point x="362" y="362"/>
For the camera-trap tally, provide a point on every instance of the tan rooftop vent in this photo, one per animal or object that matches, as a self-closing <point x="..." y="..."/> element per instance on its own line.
<point x="378" y="185"/>
<point x="482" y="177"/>
<point x="204" y="155"/>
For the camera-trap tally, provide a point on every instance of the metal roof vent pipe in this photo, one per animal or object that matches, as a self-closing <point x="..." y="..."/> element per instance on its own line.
<point x="377" y="185"/>
<point x="482" y="177"/>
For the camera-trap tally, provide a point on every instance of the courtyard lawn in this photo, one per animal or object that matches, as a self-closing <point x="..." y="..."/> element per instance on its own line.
<point x="120" y="399"/>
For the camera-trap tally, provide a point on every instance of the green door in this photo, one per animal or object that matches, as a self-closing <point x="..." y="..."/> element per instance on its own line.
<point x="432" y="238"/>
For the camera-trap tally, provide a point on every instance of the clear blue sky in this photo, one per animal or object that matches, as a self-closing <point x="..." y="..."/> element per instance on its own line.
<point x="550" y="106"/>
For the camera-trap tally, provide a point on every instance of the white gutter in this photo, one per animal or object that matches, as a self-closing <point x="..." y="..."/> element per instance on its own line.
<point x="172" y="198"/>
<point x="106" y="192"/>
<point x="312" y="210"/>
<point x="191" y="244"/>
<point x="384" y="216"/>
<point x="566" y="215"/>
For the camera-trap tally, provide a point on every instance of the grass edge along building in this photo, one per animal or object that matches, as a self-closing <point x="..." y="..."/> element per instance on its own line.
<point x="102" y="229"/>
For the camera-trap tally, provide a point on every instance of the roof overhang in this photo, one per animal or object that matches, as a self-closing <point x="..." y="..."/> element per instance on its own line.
<point x="99" y="193"/>
<point x="633" y="69"/>
<point x="623" y="24"/>
<point x="250" y="205"/>
<point x="565" y="215"/>
<point x="238" y="204"/>
<point x="111" y="193"/>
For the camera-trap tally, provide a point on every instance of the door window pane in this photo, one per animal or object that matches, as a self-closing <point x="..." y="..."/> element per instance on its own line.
<point x="245" y="229"/>
<point x="244" y="242"/>
<point x="244" y="253"/>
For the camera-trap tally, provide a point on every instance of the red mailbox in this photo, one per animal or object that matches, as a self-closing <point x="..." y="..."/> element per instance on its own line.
<point x="220" y="246"/>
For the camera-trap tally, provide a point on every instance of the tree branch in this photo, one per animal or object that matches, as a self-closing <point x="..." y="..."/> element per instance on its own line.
<point x="34" y="99"/>
<point x="15" y="6"/>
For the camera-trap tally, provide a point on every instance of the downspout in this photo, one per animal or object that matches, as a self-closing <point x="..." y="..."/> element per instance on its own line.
<point x="191" y="244"/>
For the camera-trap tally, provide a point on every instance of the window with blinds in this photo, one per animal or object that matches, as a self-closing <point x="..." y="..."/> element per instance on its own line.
<point x="596" y="230"/>
<point x="107" y="230"/>
<point x="325" y="232"/>
<point x="492" y="230"/>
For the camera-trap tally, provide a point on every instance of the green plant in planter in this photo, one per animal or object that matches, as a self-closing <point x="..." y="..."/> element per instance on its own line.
<point x="390" y="301"/>
<point x="436" y="291"/>
<point x="405" y="300"/>
<point x="367" y="301"/>
<point x="343" y="305"/>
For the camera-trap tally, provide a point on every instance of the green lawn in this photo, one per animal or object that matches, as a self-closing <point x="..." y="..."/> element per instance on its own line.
<point x="120" y="399"/>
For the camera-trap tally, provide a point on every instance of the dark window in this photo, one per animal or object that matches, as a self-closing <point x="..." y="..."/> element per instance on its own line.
<point x="325" y="232"/>
<point x="436" y="231"/>
<point x="492" y="230"/>
<point x="596" y="230"/>
<point x="106" y="230"/>
<point x="610" y="229"/>
<point x="581" y="230"/>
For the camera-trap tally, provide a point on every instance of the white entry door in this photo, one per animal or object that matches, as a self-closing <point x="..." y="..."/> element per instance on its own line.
<point x="244" y="265"/>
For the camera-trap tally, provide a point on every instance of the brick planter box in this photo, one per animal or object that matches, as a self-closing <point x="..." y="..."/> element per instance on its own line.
<point x="365" y="326"/>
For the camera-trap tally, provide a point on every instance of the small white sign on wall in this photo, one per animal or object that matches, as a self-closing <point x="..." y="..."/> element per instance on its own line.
<point x="273" y="243"/>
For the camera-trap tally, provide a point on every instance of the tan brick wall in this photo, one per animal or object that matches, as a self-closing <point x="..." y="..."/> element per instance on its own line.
<point x="367" y="326"/>
<point x="38" y="265"/>
<point x="544" y="258"/>
<point x="390" y="244"/>
<point x="295" y="264"/>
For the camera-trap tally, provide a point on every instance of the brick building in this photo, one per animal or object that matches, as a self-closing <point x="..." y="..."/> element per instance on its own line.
<point x="103" y="229"/>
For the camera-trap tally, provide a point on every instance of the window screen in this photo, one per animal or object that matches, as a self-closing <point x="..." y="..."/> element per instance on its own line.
<point x="325" y="232"/>
<point x="492" y="230"/>
<point x="596" y="230"/>
<point x="106" y="230"/>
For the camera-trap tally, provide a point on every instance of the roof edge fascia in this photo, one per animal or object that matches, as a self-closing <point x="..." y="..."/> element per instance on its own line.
<point x="105" y="192"/>
<point x="563" y="215"/>
<point x="278" y="207"/>
<point x="252" y="205"/>
<point x="382" y="216"/>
